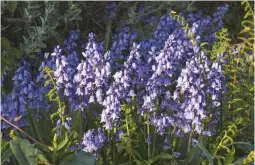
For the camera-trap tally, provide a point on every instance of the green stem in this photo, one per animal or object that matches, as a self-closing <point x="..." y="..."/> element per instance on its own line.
<point x="114" y="145"/>
<point x="113" y="152"/>
<point x="127" y="116"/>
<point x="148" y="134"/>
<point x="127" y="125"/>
<point x="109" y="151"/>
<point x="59" y="103"/>
<point x="107" y="34"/>
<point x="172" y="139"/>
<point x="155" y="131"/>
<point x="189" y="143"/>
<point x="154" y="143"/>
<point x="172" y="133"/>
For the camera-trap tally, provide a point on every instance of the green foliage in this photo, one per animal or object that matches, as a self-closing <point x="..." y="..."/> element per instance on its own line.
<point x="35" y="128"/>
<point x="53" y="94"/>
<point x="29" y="27"/>
<point x="224" y="144"/>
<point x="24" y="152"/>
<point x="237" y="111"/>
<point x="6" y="152"/>
<point x="205" y="151"/>
<point x="11" y="5"/>
<point x="81" y="158"/>
<point x="43" y="24"/>
<point x="7" y="60"/>
<point x="241" y="68"/>
<point x="161" y="156"/>
<point x="248" y="25"/>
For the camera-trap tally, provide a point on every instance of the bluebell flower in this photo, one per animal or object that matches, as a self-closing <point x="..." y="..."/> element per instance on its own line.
<point x="122" y="40"/>
<point x="24" y="95"/>
<point x="126" y="81"/>
<point x="109" y="11"/>
<point x="176" y="154"/>
<point x="93" y="140"/>
<point x="161" y="123"/>
<point x="92" y="73"/>
<point x="148" y="139"/>
<point x="119" y="135"/>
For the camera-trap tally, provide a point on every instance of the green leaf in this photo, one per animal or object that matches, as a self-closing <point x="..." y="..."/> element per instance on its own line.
<point x="24" y="152"/>
<point x="244" y="143"/>
<point x="42" y="45"/>
<point x="219" y="161"/>
<point x="192" y="154"/>
<point x="162" y="155"/>
<point x="42" y="158"/>
<point x="12" y="5"/>
<point x="240" y="160"/>
<point x="35" y="128"/>
<point x="77" y="123"/>
<point x="230" y="157"/>
<point x="207" y="154"/>
<point x="63" y="142"/>
<point x="81" y="158"/>
<point x="6" y="152"/>
<point x="7" y="45"/>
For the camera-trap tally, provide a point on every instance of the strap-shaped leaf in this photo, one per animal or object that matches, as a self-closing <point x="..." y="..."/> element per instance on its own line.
<point x="162" y="155"/>
<point x="6" y="152"/>
<point x="81" y="158"/>
<point x="207" y="154"/>
<point x="24" y="152"/>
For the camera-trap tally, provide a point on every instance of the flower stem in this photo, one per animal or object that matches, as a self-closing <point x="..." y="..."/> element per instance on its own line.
<point x="189" y="143"/>
<point x="155" y="133"/>
<point x="148" y="134"/>
<point x="127" y="115"/>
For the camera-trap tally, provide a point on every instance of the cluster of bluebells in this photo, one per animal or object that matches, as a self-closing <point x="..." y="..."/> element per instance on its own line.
<point x="216" y="89"/>
<point x="109" y="11"/>
<point x="67" y="125"/>
<point x="201" y="26"/>
<point x="92" y="73"/>
<point x="165" y="27"/>
<point x="62" y="73"/>
<point x="23" y="96"/>
<point x="93" y="140"/>
<point x="191" y="84"/>
<point x="147" y="21"/>
<point x="121" y="41"/>
<point x="71" y="49"/>
<point x="126" y="82"/>
<point x="169" y="76"/>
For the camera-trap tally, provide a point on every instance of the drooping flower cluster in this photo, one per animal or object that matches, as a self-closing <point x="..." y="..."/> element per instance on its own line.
<point x="71" y="46"/>
<point x="92" y="73"/>
<point x="93" y="140"/>
<point x="216" y="89"/>
<point x="164" y="69"/>
<point x="126" y="81"/>
<point x="23" y="96"/>
<point x="109" y="11"/>
<point x="165" y="27"/>
<point x="161" y="123"/>
<point x="121" y="42"/>
<point x="62" y="74"/>
<point x="67" y="124"/>
<point x="201" y="26"/>
<point x="191" y="84"/>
